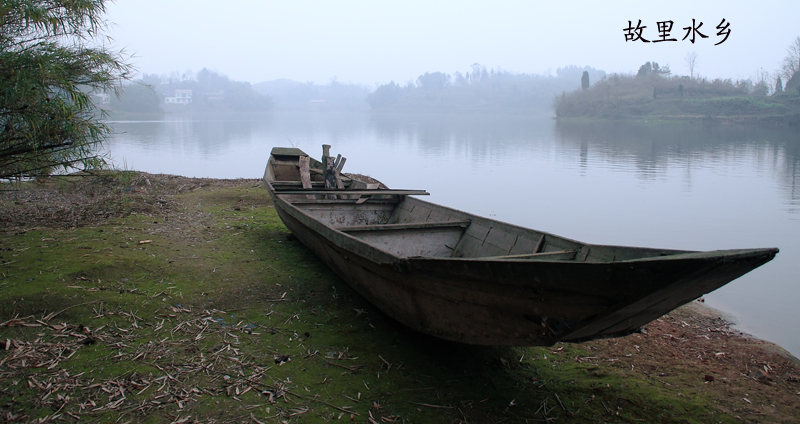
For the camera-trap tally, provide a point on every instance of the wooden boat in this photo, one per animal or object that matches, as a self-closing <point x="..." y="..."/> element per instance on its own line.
<point x="475" y="280"/>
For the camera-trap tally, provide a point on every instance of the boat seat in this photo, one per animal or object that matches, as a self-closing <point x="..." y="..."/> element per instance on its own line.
<point x="405" y="226"/>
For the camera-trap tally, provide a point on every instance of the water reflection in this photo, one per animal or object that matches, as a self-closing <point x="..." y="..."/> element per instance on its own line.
<point x="481" y="136"/>
<point x="204" y="135"/>
<point x="654" y="147"/>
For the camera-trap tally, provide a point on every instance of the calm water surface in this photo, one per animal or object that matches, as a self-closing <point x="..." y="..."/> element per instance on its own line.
<point x="669" y="185"/>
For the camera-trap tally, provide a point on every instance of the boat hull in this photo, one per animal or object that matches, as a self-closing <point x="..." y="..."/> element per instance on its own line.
<point x="520" y="303"/>
<point x="473" y="280"/>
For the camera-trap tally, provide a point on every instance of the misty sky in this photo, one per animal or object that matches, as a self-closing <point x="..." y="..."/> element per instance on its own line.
<point x="377" y="41"/>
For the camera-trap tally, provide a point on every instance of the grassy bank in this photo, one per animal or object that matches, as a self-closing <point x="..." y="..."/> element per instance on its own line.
<point x="740" y="109"/>
<point x="132" y="297"/>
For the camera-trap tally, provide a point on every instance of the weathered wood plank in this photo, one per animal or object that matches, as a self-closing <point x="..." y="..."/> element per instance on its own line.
<point x="429" y="242"/>
<point x="287" y="151"/>
<point x="370" y="186"/>
<point x="406" y="226"/>
<point x="342" y="201"/>
<point x="500" y="239"/>
<point x="370" y="192"/>
<point x="565" y="253"/>
<point x="305" y="174"/>
<point x="525" y="244"/>
<point x="295" y="185"/>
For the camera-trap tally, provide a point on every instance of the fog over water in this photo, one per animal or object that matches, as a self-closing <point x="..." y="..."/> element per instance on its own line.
<point x="370" y="42"/>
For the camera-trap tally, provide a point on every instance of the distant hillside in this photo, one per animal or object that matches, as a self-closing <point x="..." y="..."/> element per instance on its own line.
<point x="289" y="94"/>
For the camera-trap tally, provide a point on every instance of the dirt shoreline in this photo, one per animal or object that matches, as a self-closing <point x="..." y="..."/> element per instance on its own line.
<point x="119" y="283"/>
<point x="731" y="321"/>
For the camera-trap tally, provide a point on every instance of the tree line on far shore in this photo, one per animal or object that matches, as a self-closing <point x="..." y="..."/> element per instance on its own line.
<point x="205" y="90"/>
<point x="478" y="89"/>
<point x="654" y="90"/>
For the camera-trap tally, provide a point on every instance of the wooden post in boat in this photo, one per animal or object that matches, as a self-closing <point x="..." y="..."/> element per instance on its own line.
<point x="305" y="173"/>
<point x="326" y="153"/>
<point x="329" y="168"/>
<point x="336" y="162"/>
<point x="338" y="165"/>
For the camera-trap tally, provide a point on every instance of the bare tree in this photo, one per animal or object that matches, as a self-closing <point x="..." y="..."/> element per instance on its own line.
<point x="691" y="62"/>
<point x="791" y="63"/>
<point x="762" y="86"/>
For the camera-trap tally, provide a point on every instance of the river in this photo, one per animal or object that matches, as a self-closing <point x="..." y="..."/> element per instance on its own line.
<point x="696" y="186"/>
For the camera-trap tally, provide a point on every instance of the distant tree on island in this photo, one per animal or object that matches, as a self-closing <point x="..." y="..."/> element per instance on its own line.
<point x="585" y="80"/>
<point x="691" y="62"/>
<point x="791" y="63"/>
<point x="385" y="95"/>
<point x="653" y="69"/>
<point x="761" y="87"/>
<point x="433" y="81"/>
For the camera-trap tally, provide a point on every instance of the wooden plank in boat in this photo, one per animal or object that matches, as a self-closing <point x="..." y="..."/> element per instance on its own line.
<point x="548" y="255"/>
<point x="525" y="244"/>
<point x="287" y="151"/>
<point x="500" y="239"/>
<point x="388" y="192"/>
<point x="370" y="186"/>
<point x="296" y="185"/>
<point x="341" y="201"/>
<point x="305" y="174"/>
<point x="406" y="226"/>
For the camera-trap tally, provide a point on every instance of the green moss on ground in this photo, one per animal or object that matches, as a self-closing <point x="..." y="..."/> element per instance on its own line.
<point x="210" y="311"/>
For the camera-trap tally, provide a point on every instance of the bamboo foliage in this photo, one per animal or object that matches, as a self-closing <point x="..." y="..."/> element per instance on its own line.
<point x="53" y="58"/>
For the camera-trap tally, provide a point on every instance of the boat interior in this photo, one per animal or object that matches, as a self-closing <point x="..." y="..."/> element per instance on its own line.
<point x="397" y="223"/>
